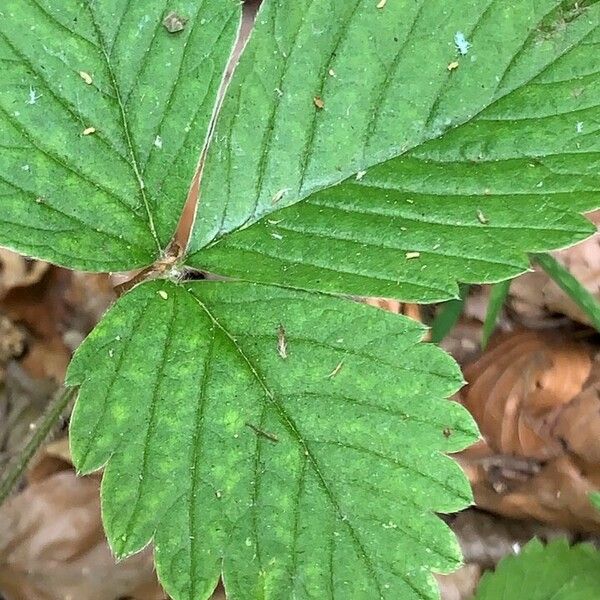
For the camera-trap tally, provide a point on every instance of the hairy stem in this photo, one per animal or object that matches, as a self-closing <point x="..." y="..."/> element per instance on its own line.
<point x="42" y="429"/>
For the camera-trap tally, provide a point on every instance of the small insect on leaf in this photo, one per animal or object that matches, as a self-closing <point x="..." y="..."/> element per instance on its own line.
<point x="482" y="218"/>
<point x="461" y="43"/>
<point x="86" y="77"/>
<point x="319" y="102"/>
<point x="453" y="65"/>
<point x="281" y="342"/>
<point x="174" y="23"/>
<point x="89" y="130"/>
<point x="163" y="295"/>
<point x="410" y="255"/>
<point x="381" y="3"/>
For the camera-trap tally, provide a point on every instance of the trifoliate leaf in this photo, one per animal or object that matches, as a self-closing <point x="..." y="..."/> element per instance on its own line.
<point x="447" y="173"/>
<point x="103" y="112"/>
<point x="553" y="572"/>
<point x="293" y="440"/>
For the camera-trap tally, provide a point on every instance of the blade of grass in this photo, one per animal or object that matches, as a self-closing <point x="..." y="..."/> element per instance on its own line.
<point x="497" y="298"/>
<point x="570" y="286"/>
<point x="448" y="316"/>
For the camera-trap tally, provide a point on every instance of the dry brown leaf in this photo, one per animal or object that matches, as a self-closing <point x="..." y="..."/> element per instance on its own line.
<point x="52" y="544"/>
<point x="535" y="397"/>
<point x="409" y="310"/>
<point x="518" y="388"/>
<point x="57" y="311"/>
<point x="461" y="584"/>
<point x="18" y="271"/>
<point x="486" y="539"/>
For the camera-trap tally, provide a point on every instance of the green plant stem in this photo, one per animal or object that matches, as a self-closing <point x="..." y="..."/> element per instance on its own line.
<point x="42" y="429"/>
<point x="570" y="286"/>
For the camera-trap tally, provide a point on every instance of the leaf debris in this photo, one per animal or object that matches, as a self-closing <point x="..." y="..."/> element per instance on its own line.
<point x="453" y="65"/>
<point x="86" y="77"/>
<point x="89" y="130"/>
<point x="482" y="218"/>
<point x="270" y="436"/>
<point x="410" y="255"/>
<point x="174" y="22"/>
<point x="337" y="369"/>
<point x="163" y="294"/>
<point x="281" y="342"/>
<point x="319" y="103"/>
<point x="277" y="196"/>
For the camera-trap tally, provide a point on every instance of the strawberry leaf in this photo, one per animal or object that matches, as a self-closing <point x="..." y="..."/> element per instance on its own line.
<point x="103" y="113"/>
<point x="266" y="430"/>
<point x="418" y="166"/>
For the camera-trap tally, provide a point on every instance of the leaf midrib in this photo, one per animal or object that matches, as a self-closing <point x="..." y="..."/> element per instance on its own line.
<point x="134" y="160"/>
<point x="292" y="428"/>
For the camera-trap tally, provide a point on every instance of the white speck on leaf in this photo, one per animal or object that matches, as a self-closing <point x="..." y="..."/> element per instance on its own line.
<point x="277" y="236"/>
<point x="89" y="130"/>
<point x="381" y="3"/>
<point x="461" y="43"/>
<point x="482" y="218"/>
<point x="579" y="127"/>
<point x="453" y="65"/>
<point x="410" y="255"/>
<point x="360" y="175"/>
<point x="158" y="142"/>
<point x="279" y="195"/>
<point x="86" y="77"/>
<point x="25" y="168"/>
<point x="163" y="294"/>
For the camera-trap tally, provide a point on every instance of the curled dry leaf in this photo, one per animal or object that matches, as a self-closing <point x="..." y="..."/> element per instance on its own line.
<point x="535" y="397"/>
<point x="18" y="271"/>
<point x="461" y="584"/>
<point x="534" y="296"/>
<point x="52" y="544"/>
<point x="56" y="312"/>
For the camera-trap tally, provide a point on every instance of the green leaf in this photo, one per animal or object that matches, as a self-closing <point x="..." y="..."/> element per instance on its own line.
<point x="296" y="437"/>
<point x="458" y="172"/>
<point x="553" y="572"/>
<point x="111" y="199"/>
<point x="595" y="499"/>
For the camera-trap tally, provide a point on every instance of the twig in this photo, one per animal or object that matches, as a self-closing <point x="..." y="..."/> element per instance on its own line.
<point x="42" y="428"/>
